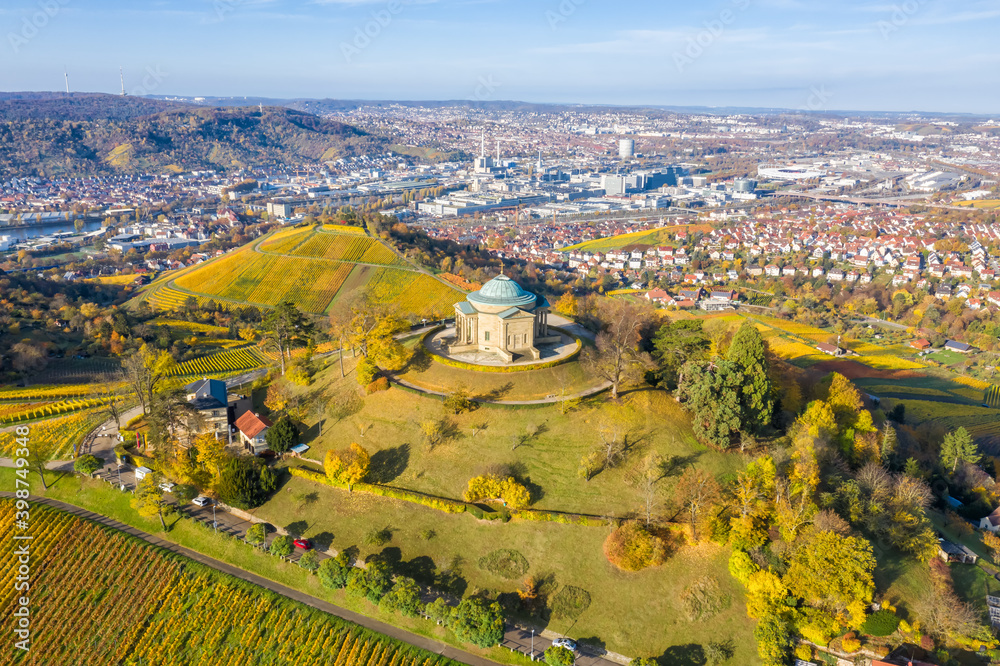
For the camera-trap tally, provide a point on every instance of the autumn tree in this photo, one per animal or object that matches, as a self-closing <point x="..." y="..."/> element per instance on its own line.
<point x="833" y="572"/>
<point x="145" y="371"/>
<point x="148" y="500"/>
<point x="348" y="465"/>
<point x="616" y="356"/>
<point x="369" y="325"/>
<point x="696" y="491"/>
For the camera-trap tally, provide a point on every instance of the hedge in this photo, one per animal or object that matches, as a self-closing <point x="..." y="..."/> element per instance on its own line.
<point x="503" y="369"/>
<point x="441" y="504"/>
<point x="448" y="505"/>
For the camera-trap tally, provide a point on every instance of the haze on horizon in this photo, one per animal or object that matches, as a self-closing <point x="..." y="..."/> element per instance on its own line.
<point x="926" y="55"/>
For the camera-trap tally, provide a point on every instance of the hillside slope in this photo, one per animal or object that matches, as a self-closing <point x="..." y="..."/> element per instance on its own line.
<point x="313" y="267"/>
<point x="180" y="138"/>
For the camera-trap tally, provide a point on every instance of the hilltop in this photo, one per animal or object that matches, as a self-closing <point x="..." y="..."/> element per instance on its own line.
<point x="315" y="267"/>
<point x="77" y="136"/>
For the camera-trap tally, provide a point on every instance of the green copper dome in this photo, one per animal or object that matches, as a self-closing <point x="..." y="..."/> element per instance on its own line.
<point x="501" y="290"/>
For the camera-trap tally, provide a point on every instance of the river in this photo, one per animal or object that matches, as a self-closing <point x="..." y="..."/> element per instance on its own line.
<point x="34" y="231"/>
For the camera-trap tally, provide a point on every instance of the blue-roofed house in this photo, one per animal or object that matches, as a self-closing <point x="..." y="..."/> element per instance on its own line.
<point x="210" y="398"/>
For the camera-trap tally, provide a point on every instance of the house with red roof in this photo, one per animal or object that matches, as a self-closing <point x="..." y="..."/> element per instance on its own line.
<point x="253" y="432"/>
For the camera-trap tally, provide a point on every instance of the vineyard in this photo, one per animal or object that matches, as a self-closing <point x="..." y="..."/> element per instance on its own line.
<point x="30" y="413"/>
<point x="758" y="299"/>
<point x="54" y="438"/>
<point x="233" y="360"/>
<point x="992" y="396"/>
<point x="345" y="229"/>
<point x="102" y="597"/>
<point x="48" y="393"/>
<point x="413" y="294"/>
<point x="312" y="269"/>
<point x="346" y="247"/>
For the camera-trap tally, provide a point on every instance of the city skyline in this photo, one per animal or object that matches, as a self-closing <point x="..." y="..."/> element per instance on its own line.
<point x="863" y="56"/>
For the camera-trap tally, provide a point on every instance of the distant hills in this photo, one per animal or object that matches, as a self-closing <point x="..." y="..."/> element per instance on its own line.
<point x="52" y="134"/>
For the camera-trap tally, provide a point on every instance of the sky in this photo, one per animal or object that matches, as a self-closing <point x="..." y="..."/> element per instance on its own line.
<point x="911" y="55"/>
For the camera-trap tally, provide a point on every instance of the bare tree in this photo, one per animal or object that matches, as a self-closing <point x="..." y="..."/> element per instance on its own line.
<point x="696" y="490"/>
<point x="114" y="405"/>
<point x="616" y="357"/>
<point x="653" y="470"/>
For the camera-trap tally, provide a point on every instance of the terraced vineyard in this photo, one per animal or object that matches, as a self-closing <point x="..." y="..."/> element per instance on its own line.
<point x="56" y="437"/>
<point x="312" y="268"/>
<point x="345" y="247"/>
<point x="992" y="397"/>
<point x="233" y="360"/>
<point x="100" y="596"/>
<point x="414" y="294"/>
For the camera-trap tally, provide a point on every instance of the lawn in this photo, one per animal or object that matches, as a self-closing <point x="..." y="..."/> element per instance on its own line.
<point x="636" y="614"/>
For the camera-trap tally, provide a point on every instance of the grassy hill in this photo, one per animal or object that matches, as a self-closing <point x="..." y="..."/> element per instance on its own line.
<point x="314" y="267"/>
<point x="650" y="238"/>
<point x="72" y="139"/>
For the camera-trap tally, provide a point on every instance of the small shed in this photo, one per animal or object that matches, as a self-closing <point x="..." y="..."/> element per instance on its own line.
<point x="955" y="553"/>
<point x="141" y="473"/>
<point x="299" y="449"/>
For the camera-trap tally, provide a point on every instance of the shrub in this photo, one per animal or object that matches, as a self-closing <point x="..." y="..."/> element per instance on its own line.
<point x="493" y="486"/>
<point x="256" y="534"/>
<point x="377" y="386"/>
<point x="378" y="537"/>
<point x="570" y="602"/>
<point x="850" y="643"/>
<point x="741" y="567"/>
<point x="559" y="656"/>
<point x="804" y="652"/>
<point x="631" y="547"/>
<point x="445" y="505"/>
<point x="881" y="623"/>
<point x="643" y="661"/>
<point x="87" y="464"/>
<point x="366" y="371"/>
<point x="504" y="563"/>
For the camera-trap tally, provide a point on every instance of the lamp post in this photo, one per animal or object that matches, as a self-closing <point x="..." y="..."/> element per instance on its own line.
<point x="532" y="645"/>
<point x="215" y="525"/>
<point x="120" y="486"/>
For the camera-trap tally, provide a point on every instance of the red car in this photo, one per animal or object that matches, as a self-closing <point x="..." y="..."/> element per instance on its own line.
<point x="303" y="544"/>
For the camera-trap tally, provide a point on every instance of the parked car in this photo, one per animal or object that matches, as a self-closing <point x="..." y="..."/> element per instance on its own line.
<point x="567" y="643"/>
<point x="303" y="544"/>
<point x="201" y="500"/>
<point x="166" y="486"/>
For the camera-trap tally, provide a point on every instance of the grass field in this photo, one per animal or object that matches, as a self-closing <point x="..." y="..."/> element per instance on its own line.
<point x="980" y="203"/>
<point x="105" y="597"/>
<point x="654" y="237"/>
<point x="631" y="613"/>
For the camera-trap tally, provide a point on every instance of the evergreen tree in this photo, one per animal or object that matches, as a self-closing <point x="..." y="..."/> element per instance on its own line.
<point x="749" y="353"/>
<point x="712" y="395"/>
<point x="959" y="447"/>
<point x="282" y="436"/>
